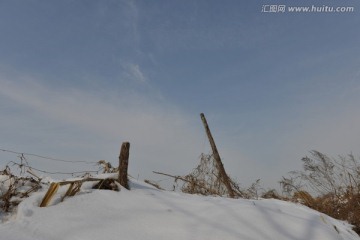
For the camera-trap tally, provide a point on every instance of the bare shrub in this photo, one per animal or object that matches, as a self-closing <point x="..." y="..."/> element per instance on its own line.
<point x="106" y="167"/>
<point x="206" y="179"/>
<point x="271" y="194"/>
<point x="14" y="188"/>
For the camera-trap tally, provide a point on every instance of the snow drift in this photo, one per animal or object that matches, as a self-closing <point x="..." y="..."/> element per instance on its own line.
<point x="148" y="213"/>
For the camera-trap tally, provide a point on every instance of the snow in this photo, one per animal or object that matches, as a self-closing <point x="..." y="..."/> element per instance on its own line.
<point x="145" y="212"/>
<point x="5" y="183"/>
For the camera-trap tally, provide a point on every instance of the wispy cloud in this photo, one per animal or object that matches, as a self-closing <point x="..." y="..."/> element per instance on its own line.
<point x="92" y="124"/>
<point x="133" y="73"/>
<point x="162" y="136"/>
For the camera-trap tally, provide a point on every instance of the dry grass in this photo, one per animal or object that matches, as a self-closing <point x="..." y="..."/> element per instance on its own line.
<point x="334" y="185"/>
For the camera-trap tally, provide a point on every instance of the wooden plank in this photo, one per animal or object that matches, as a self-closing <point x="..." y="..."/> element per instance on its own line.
<point x="50" y="194"/>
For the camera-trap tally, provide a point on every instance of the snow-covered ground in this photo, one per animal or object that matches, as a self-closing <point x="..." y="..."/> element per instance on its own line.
<point x="148" y="213"/>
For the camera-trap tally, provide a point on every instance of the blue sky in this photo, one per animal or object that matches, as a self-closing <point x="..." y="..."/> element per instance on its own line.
<point x="79" y="77"/>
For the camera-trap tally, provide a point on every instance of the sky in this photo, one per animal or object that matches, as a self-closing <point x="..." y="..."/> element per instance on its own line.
<point x="78" y="78"/>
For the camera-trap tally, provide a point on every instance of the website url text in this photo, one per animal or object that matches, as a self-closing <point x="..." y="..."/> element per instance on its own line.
<point x="306" y="9"/>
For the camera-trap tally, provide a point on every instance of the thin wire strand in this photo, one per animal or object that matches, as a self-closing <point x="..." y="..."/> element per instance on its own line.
<point x="48" y="158"/>
<point x="43" y="171"/>
<point x="65" y="173"/>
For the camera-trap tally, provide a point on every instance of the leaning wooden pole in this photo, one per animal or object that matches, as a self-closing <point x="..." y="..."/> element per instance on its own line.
<point x="224" y="177"/>
<point x="123" y="165"/>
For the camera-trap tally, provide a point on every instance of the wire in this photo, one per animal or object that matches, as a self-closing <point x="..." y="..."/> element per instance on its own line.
<point x="43" y="171"/>
<point x="66" y="173"/>
<point x="48" y="158"/>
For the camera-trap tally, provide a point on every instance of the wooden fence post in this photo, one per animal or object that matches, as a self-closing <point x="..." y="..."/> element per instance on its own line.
<point x="123" y="164"/>
<point x="224" y="177"/>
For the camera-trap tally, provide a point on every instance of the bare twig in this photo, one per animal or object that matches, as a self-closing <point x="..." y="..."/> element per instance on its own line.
<point x="172" y="176"/>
